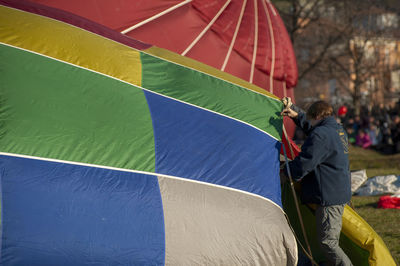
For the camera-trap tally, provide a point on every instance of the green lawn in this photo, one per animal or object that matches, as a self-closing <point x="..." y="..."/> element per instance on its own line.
<point x="386" y="222"/>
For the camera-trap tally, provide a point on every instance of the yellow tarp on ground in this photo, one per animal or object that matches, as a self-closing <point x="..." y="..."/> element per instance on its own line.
<point x="361" y="233"/>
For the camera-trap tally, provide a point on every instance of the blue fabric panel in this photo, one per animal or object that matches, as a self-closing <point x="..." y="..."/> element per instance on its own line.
<point x="196" y="144"/>
<point x="62" y="214"/>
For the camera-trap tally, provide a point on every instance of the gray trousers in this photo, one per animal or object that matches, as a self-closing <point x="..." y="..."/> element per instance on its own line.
<point x="329" y="225"/>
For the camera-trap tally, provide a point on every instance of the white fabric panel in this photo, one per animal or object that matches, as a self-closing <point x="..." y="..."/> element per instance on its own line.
<point x="210" y="225"/>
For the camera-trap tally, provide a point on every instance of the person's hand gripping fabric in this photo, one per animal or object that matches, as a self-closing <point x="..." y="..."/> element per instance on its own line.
<point x="287" y="111"/>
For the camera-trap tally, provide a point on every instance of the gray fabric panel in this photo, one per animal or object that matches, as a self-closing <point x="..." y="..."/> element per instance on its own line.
<point x="208" y="225"/>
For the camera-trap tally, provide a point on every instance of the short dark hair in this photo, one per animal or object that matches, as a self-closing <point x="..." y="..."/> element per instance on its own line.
<point x="319" y="110"/>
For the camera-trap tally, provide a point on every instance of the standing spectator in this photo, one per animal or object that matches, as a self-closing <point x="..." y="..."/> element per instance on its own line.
<point x="387" y="141"/>
<point x="357" y="123"/>
<point x="395" y="132"/>
<point x="342" y="115"/>
<point x="351" y="134"/>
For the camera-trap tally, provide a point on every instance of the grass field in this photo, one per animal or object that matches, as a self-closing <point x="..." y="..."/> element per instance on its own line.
<point x="386" y="222"/>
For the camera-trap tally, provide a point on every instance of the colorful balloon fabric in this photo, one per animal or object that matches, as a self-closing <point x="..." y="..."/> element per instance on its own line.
<point x="115" y="152"/>
<point x="247" y="39"/>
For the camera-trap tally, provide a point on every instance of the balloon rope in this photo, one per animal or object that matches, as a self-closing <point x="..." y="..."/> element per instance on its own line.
<point x="272" y="38"/>
<point x="313" y="262"/>
<point x="294" y="192"/>
<point x="234" y="36"/>
<point x="253" y="61"/>
<point x="284" y="89"/>
<point x="155" y="16"/>
<point x="206" y="28"/>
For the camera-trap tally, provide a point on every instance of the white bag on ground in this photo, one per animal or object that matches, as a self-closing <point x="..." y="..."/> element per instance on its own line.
<point x="357" y="179"/>
<point x="378" y="185"/>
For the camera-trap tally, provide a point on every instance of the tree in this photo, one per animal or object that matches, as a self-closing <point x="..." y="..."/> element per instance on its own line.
<point x="312" y="29"/>
<point x="340" y="41"/>
<point x="360" y="64"/>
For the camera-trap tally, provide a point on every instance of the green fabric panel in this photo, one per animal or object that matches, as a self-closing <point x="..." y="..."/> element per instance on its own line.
<point x="55" y="110"/>
<point x="357" y="255"/>
<point x="308" y="219"/>
<point x="202" y="90"/>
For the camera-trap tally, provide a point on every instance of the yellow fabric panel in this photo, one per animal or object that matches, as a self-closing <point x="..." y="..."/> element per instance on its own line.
<point x="191" y="63"/>
<point x="58" y="40"/>
<point x="359" y="231"/>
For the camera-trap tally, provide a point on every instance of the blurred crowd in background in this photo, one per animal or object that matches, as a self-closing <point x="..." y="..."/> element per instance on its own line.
<point x="375" y="128"/>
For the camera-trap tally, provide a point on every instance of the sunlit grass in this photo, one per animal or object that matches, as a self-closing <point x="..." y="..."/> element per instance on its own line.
<point x="375" y="163"/>
<point x="386" y="222"/>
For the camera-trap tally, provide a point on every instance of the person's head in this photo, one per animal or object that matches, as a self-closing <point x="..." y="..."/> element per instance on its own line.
<point x="371" y="119"/>
<point x="349" y="130"/>
<point x="319" y="110"/>
<point x="396" y="119"/>
<point x="372" y="126"/>
<point x="362" y="133"/>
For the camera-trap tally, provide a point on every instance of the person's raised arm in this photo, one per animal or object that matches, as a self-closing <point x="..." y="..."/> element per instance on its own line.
<point x="296" y="114"/>
<point x="312" y="153"/>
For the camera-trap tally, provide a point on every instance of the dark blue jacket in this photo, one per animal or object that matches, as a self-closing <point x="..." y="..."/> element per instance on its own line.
<point x="323" y="163"/>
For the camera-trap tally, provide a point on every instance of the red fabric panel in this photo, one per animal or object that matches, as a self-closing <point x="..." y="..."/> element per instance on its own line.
<point x="289" y="64"/>
<point x="176" y="30"/>
<point x="389" y="202"/>
<point x="167" y="32"/>
<point x="295" y="148"/>
<point x="285" y="63"/>
<point x="75" y="20"/>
